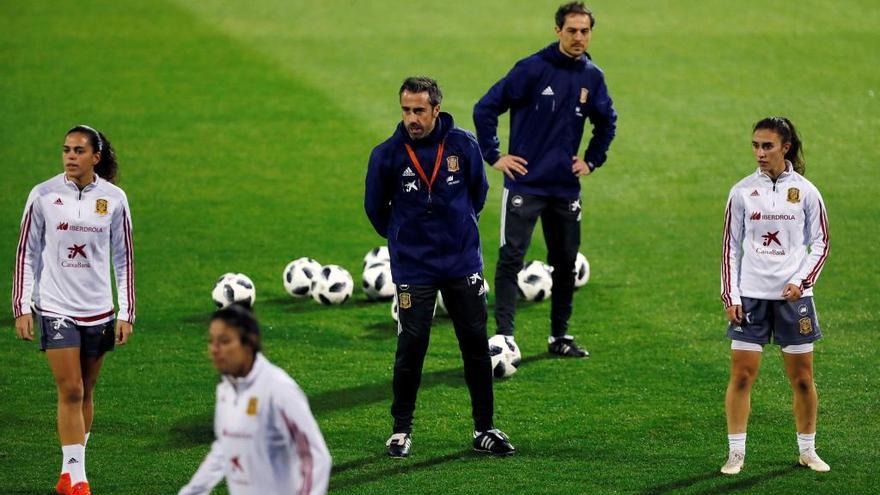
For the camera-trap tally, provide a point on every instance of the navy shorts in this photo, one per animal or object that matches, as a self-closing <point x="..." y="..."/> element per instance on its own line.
<point x="788" y="323"/>
<point x="58" y="332"/>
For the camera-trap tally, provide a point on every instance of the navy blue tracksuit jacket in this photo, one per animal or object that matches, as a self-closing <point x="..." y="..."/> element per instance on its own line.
<point x="549" y="96"/>
<point x="432" y="237"/>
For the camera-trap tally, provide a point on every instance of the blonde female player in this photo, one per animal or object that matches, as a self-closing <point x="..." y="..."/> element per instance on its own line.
<point x="75" y="226"/>
<point x="775" y="245"/>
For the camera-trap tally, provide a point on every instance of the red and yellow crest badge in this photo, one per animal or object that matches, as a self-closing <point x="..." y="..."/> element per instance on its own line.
<point x="405" y="300"/>
<point x="101" y="207"/>
<point x="806" y="326"/>
<point x="252" y="407"/>
<point x="794" y="195"/>
<point x="452" y="163"/>
<point x="584" y="94"/>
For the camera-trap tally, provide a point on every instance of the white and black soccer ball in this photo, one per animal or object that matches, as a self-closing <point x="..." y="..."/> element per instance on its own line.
<point x="378" y="254"/>
<point x="298" y="276"/>
<point x="501" y="357"/>
<point x="534" y="281"/>
<point x="234" y="288"/>
<point x="510" y="348"/>
<point x="332" y="285"/>
<point x="377" y="283"/>
<point x="581" y="271"/>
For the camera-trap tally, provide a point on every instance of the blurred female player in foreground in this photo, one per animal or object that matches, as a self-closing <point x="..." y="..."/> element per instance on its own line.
<point x="267" y="441"/>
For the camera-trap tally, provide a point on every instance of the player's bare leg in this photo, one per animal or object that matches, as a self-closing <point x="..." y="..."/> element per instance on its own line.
<point x="737" y="405"/>
<point x="799" y="368"/>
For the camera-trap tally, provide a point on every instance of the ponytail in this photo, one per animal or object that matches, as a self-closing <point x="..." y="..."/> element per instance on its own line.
<point x="787" y="134"/>
<point x="107" y="168"/>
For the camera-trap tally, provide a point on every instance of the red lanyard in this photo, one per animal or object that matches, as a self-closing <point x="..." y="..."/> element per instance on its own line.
<point x="418" y="166"/>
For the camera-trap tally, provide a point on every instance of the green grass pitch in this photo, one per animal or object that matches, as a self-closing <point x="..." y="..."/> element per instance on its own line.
<point x="243" y="131"/>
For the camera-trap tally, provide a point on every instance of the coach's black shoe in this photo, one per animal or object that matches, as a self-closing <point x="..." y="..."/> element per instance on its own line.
<point x="399" y="445"/>
<point x="494" y="442"/>
<point x="565" y="347"/>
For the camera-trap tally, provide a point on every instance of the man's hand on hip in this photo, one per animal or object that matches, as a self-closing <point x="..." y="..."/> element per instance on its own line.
<point x="579" y="167"/>
<point x="510" y="164"/>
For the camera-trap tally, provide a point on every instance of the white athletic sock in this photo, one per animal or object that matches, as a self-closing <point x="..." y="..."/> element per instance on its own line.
<point x="806" y="441"/>
<point x="75" y="462"/>
<point x="86" y="442"/>
<point x="737" y="441"/>
<point x="64" y="467"/>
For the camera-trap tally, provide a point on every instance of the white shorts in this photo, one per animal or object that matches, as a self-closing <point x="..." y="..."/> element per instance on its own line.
<point x="738" y="345"/>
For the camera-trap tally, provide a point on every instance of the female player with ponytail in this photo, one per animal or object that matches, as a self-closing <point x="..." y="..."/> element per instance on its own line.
<point x="775" y="245"/>
<point x="75" y="226"/>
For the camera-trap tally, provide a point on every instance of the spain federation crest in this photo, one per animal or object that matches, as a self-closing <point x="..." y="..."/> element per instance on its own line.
<point x="806" y="326"/>
<point x="452" y="163"/>
<point x="252" y="407"/>
<point x="584" y="94"/>
<point x="405" y="300"/>
<point x="101" y="206"/>
<point x="794" y="195"/>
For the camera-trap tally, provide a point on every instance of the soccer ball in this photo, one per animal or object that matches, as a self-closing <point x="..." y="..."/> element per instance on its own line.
<point x="581" y="271"/>
<point x="377" y="255"/>
<point x="534" y="281"/>
<point x="441" y="306"/>
<point x="298" y="276"/>
<point x="501" y="357"/>
<point x="510" y="348"/>
<point x="234" y="288"/>
<point x="377" y="283"/>
<point x="332" y="285"/>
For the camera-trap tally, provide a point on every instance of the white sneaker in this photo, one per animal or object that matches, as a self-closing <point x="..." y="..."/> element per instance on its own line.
<point x="811" y="459"/>
<point x="735" y="460"/>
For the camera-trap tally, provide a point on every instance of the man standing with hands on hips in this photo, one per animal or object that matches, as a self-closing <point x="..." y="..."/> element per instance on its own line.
<point x="425" y="188"/>
<point x="549" y="95"/>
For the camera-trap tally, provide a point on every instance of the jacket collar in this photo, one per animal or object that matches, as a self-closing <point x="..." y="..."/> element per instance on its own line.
<point x="554" y="55"/>
<point x="69" y="183"/>
<point x="245" y="382"/>
<point x="789" y="168"/>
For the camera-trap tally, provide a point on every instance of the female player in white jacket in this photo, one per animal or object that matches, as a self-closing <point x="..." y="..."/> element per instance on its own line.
<point x="75" y="226"/>
<point x="267" y="441"/>
<point x="775" y="245"/>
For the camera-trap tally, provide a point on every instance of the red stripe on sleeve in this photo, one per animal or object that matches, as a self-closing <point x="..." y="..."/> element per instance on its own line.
<point x="826" y="238"/>
<point x="303" y="452"/>
<point x="21" y="255"/>
<point x="725" y="260"/>
<point x="129" y="264"/>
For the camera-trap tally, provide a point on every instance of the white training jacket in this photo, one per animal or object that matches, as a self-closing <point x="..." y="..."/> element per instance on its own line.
<point x="267" y="441"/>
<point x="69" y="238"/>
<point x="775" y="233"/>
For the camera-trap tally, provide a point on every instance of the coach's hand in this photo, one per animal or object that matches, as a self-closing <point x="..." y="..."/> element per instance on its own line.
<point x="791" y="292"/>
<point x="735" y="314"/>
<point x="510" y="164"/>
<point x="123" y="330"/>
<point x="579" y="167"/>
<point x="24" y="327"/>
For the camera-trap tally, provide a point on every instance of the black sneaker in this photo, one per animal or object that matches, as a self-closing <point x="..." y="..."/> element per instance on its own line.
<point x="565" y="346"/>
<point x="493" y="441"/>
<point x="399" y="445"/>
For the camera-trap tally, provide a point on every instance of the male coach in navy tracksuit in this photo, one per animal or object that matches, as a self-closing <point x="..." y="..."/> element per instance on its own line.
<point x="425" y="188"/>
<point x="549" y="95"/>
